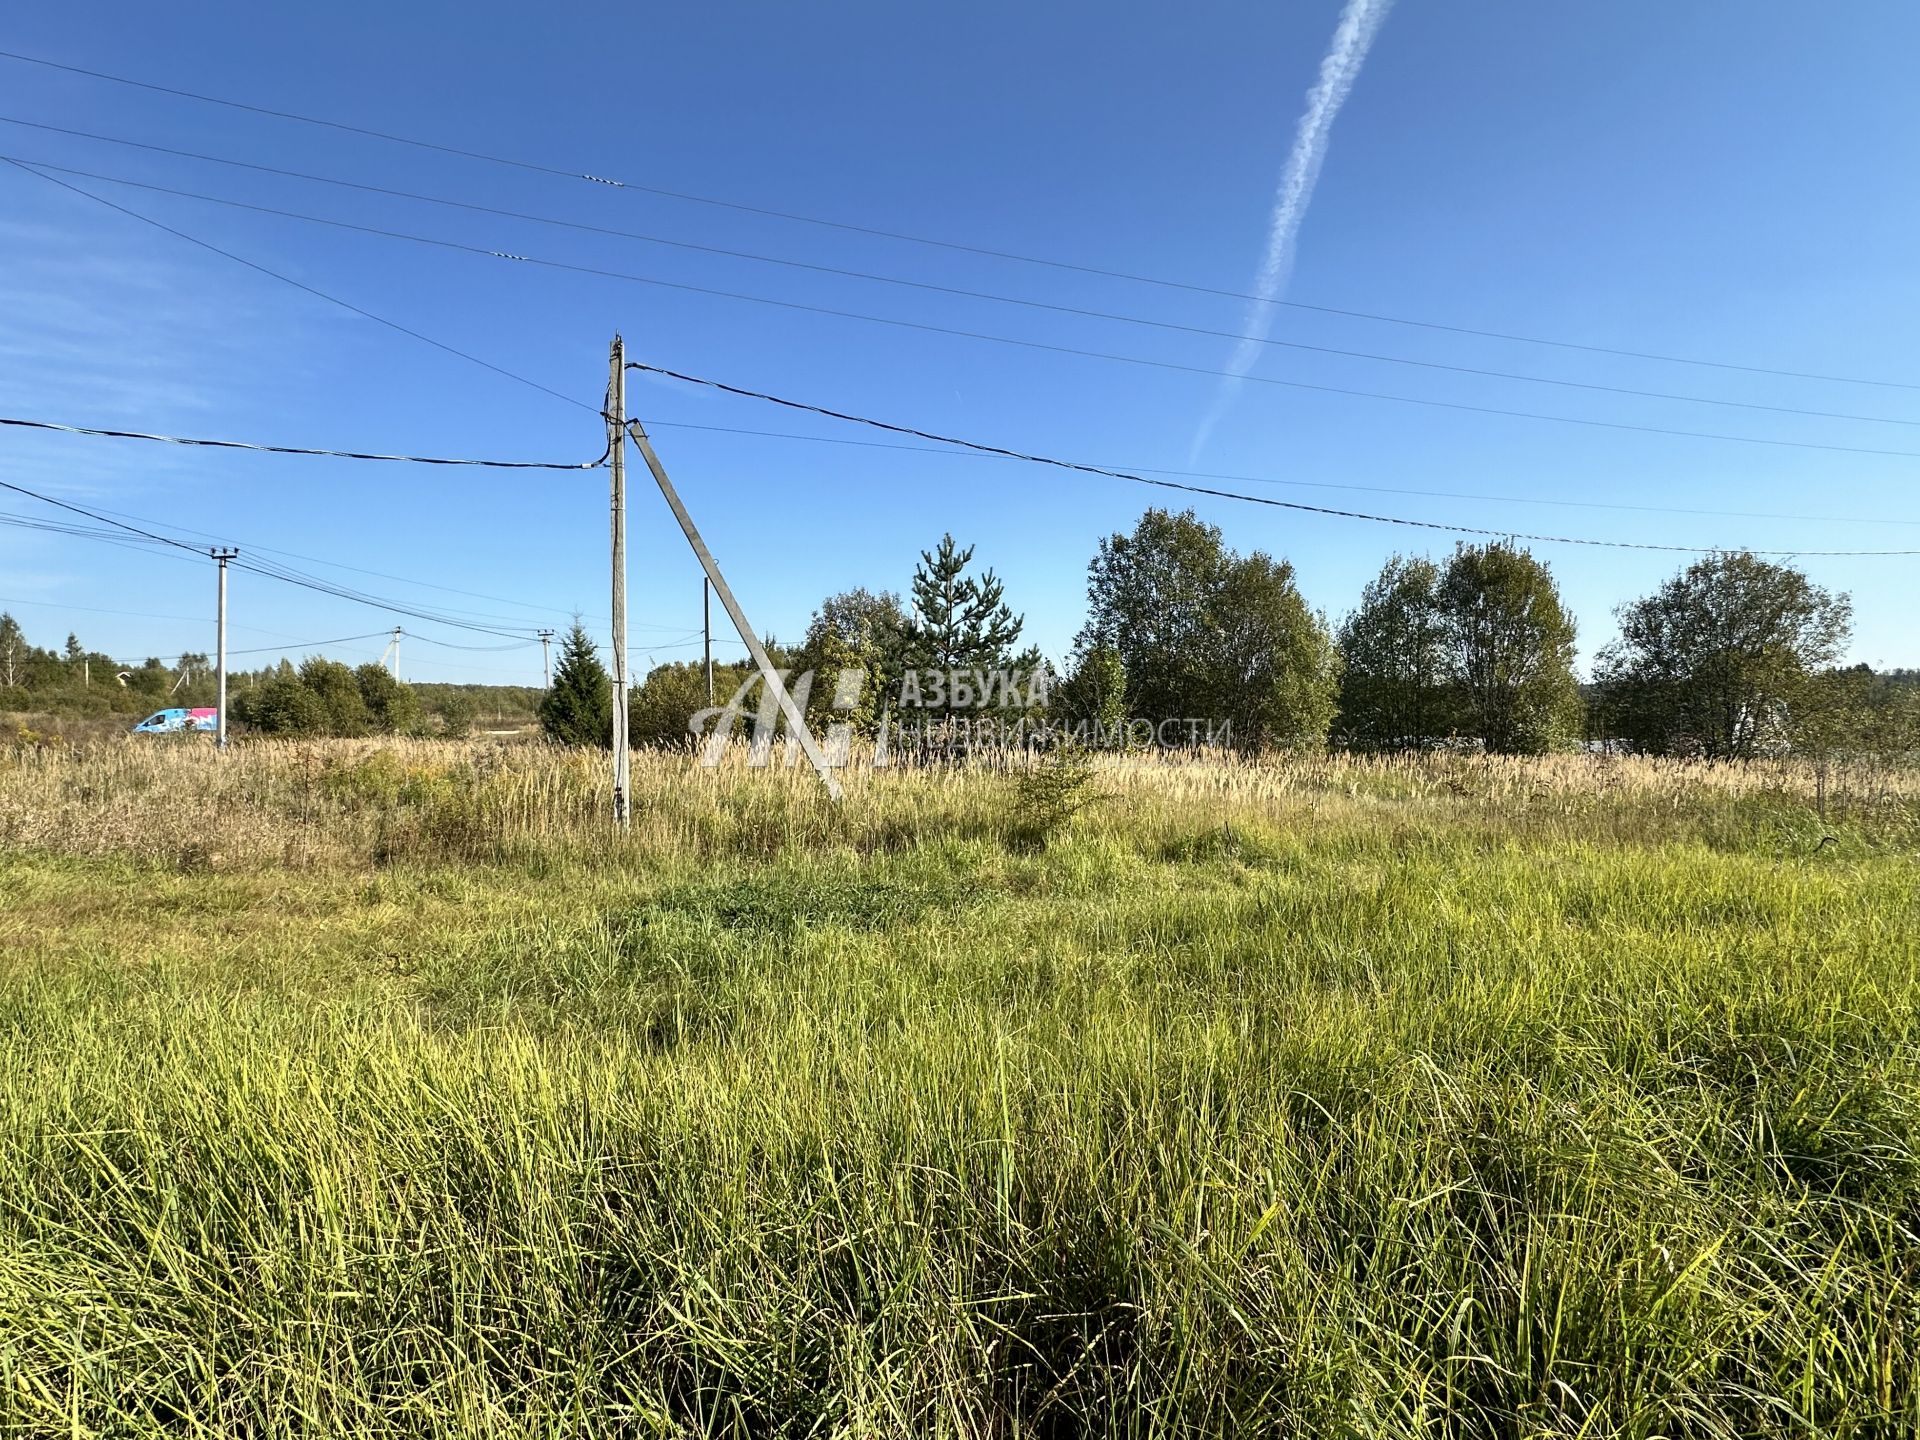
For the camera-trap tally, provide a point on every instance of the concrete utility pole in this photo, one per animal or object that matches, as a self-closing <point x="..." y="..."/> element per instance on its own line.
<point x="796" y="722"/>
<point x="220" y="651"/>
<point x="706" y="627"/>
<point x="396" y="652"/>
<point x="546" y="655"/>
<point x="617" y="454"/>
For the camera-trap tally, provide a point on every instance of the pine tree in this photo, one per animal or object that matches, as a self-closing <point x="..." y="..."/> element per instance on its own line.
<point x="960" y="622"/>
<point x="578" y="710"/>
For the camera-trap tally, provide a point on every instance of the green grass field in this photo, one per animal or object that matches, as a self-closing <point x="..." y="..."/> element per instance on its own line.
<point x="380" y="1090"/>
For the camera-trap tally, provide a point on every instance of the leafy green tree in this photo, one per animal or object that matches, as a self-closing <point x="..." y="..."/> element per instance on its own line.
<point x="1509" y="647"/>
<point x="391" y="707"/>
<point x="1717" y="660"/>
<point x="1094" y="694"/>
<point x="960" y="622"/>
<point x="1889" y="725"/>
<point x="667" y="700"/>
<point x="149" y="681"/>
<point x="13" y="650"/>
<point x="578" y="709"/>
<point x="1206" y="633"/>
<point x="338" y="691"/>
<point x="456" y="711"/>
<point x="860" y="631"/>
<point x="1276" y="661"/>
<point x="1394" y="687"/>
<point x="282" y="704"/>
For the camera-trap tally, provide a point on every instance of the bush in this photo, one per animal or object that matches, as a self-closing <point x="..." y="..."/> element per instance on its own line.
<point x="281" y="705"/>
<point x="456" y="711"/>
<point x="391" y="708"/>
<point x="1046" y="797"/>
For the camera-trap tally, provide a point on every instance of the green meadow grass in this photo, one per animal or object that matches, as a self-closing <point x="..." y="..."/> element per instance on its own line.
<point x="1314" y="1099"/>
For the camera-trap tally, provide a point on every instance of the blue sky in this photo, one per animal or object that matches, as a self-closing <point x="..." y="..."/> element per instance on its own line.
<point x="1713" y="181"/>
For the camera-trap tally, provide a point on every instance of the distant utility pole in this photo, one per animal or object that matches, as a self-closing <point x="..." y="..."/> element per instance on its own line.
<point x="617" y="454"/>
<point x="220" y="651"/>
<point x="546" y="655"/>
<point x="396" y="652"/>
<point x="706" y="626"/>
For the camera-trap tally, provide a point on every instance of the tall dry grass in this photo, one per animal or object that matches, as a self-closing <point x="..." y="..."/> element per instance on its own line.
<point x="300" y="804"/>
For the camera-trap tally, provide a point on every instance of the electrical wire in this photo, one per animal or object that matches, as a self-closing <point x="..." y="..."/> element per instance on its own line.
<point x="923" y="285"/>
<point x="307" y="644"/>
<point x="298" y="450"/>
<point x="449" y="645"/>
<point x="1268" y="500"/>
<point x="923" y="327"/>
<point x="1879" y="520"/>
<point x="255" y="546"/>
<point x="323" y="587"/>
<point x="102" y="519"/>
<point x="950" y="245"/>
<point x="27" y="522"/>
<point x="273" y="572"/>
<point x="134" y="615"/>
<point x="310" y="289"/>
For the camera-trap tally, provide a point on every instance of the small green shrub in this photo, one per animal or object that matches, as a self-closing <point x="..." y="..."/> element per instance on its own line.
<point x="1046" y="797"/>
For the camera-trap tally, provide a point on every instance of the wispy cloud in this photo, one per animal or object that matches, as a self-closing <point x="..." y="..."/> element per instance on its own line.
<point x="97" y="327"/>
<point x="1359" y="23"/>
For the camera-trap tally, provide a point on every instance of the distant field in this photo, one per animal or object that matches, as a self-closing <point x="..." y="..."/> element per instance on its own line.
<point x="378" y="1088"/>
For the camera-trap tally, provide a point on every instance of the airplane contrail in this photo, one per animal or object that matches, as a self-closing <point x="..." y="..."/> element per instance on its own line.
<point x="1359" y="22"/>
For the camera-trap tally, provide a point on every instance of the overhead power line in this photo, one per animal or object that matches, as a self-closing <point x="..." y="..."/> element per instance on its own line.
<point x="38" y="168"/>
<point x="312" y="290"/>
<point x="570" y="173"/>
<point x="1881" y="520"/>
<point x="380" y="635"/>
<point x="133" y="614"/>
<point x="272" y="572"/>
<point x="310" y="644"/>
<point x="297" y="449"/>
<point x="376" y="602"/>
<point x="255" y="547"/>
<point x="102" y="519"/>
<point x="449" y="645"/>
<point x="962" y="292"/>
<point x="113" y="531"/>
<point x="1269" y="500"/>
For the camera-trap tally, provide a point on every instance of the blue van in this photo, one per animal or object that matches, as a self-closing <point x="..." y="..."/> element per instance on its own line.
<point x="204" y="719"/>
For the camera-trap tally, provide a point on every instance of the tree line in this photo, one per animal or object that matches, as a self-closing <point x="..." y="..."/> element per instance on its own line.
<point x="318" y="697"/>
<point x="1732" y="658"/>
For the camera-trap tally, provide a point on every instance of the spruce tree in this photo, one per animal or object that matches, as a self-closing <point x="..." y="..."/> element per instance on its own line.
<point x="578" y="710"/>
